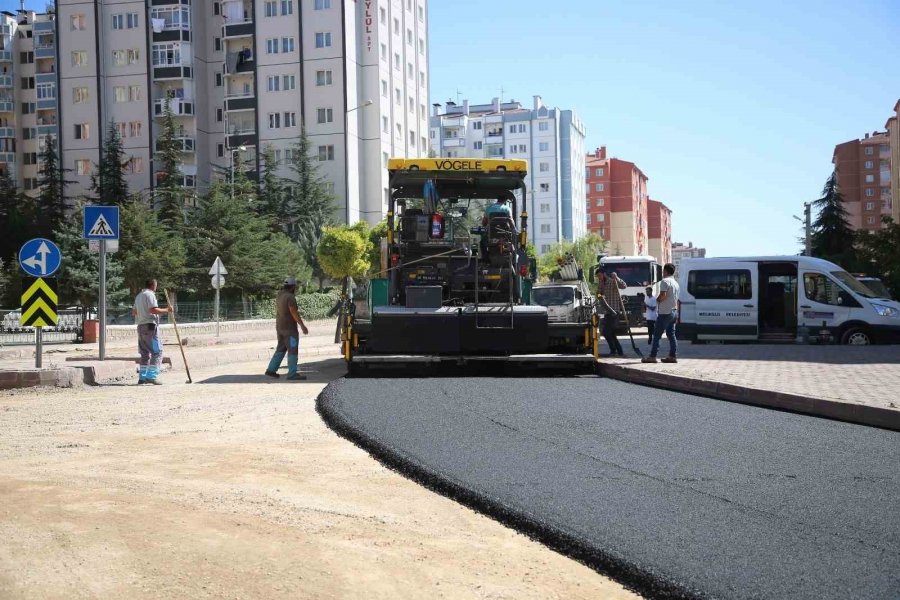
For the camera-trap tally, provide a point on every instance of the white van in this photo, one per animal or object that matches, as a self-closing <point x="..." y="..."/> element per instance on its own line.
<point x="780" y="298"/>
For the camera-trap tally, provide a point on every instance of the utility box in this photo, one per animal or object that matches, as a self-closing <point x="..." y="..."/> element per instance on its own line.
<point x="378" y="293"/>
<point x="424" y="296"/>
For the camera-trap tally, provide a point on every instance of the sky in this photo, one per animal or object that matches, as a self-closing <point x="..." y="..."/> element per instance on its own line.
<point x="731" y="108"/>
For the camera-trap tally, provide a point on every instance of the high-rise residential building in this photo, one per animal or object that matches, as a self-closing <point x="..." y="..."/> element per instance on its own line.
<point x="893" y="129"/>
<point x="550" y="139"/>
<point x="616" y="202"/>
<point x="240" y="76"/>
<point x="680" y="252"/>
<point x="659" y="231"/>
<point x="863" y="170"/>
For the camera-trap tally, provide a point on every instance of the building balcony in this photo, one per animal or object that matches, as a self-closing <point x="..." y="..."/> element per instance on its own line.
<point x="494" y="119"/>
<point x="7" y="106"/>
<point x="241" y="135"/>
<point x="237" y="63"/>
<point x="6" y="30"/>
<point x="47" y="104"/>
<point x="494" y="133"/>
<point x="173" y="33"/>
<point x="453" y="142"/>
<point x="238" y="29"/>
<point x="186" y="143"/>
<point x="45" y="77"/>
<point x="170" y="2"/>
<point x="240" y="102"/>
<point x="8" y="157"/>
<point x="45" y="51"/>
<point x="170" y="72"/>
<point x="44" y="27"/>
<point x="181" y="107"/>
<point x="455" y="123"/>
<point x="6" y="56"/>
<point x="7" y="132"/>
<point x="6" y="81"/>
<point x="49" y="129"/>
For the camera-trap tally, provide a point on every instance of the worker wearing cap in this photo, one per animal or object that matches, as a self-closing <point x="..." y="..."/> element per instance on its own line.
<point x="286" y="321"/>
<point x="500" y="208"/>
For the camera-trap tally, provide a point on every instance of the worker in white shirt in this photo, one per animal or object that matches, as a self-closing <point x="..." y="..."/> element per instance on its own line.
<point x="650" y="302"/>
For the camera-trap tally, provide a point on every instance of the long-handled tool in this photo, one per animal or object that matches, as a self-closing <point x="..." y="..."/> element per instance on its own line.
<point x="628" y="324"/>
<point x="178" y="337"/>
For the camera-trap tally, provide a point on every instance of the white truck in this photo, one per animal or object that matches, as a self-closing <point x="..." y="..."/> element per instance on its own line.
<point x="568" y="299"/>
<point x="638" y="273"/>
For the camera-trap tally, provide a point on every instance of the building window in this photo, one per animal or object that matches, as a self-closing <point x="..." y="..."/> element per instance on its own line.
<point x="543" y="126"/>
<point x="134" y="93"/>
<point x="599" y="187"/>
<point x="587" y="219"/>
<point x="323" y="39"/>
<point x="324" y="115"/>
<point x="544" y="167"/>
<point x="545" y="187"/>
<point x="288" y="82"/>
<point x="271" y="8"/>
<point x="598" y="172"/>
<point x="545" y="207"/>
<point x="274" y="120"/>
<point x="134" y="55"/>
<point x="396" y="26"/>
<point x="476" y="125"/>
<point x="82" y="167"/>
<point x="273" y="83"/>
<point x="118" y="21"/>
<point x="217" y="8"/>
<point x="600" y="201"/>
<point x="384" y="88"/>
<point x="120" y="93"/>
<point x="272" y="46"/>
<point x="397" y="95"/>
<point x="382" y="15"/>
<point x="870" y="179"/>
<point x="601" y="218"/>
<point x="326" y="153"/>
<point x="218" y="115"/>
<point x="118" y="58"/>
<point x="218" y="80"/>
<point x="409" y="37"/>
<point x="870" y="220"/>
<point x="80" y="95"/>
<point x="46" y="91"/>
<point x="870" y="192"/>
<point x="220" y="150"/>
<point x="287" y="44"/>
<point x="869" y="151"/>
<point x="27" y="58"/>
<point x="396" y="61"/>
<point x="131" y="20"/>
<point x="545" y="228"/>
<point x="517" y="128"/>
<point x="290" y="119"/>
<point x="870" y="164"/>
<point x="870" y="206"/>
<point x="287" y="7"/>
<point x="218" y="44"/>
<point x="384" y="52"/>
<point x="135" y="128"/>
<point x="322" y="4"/>
<point x="82" y="131"/>
<point x="409" y="70"/>
<point x="326" y="77"/>
<point x="544" y="146"/>
<point x="79" y="58"/>
<point x="478" y="145"/>
<point x="421" y="46"/>
<point x="385" y="126"/>
<point x="167" y="54"/>
<point x="79" y="23"/>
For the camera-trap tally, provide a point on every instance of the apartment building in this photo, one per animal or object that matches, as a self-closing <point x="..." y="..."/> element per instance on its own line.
<point x="659" y="231"/>
<point x="863" y="170"/>
<point x="240" y="77"/>
<point x="616" y="203"/>
<point x="550" y="139"/>
<point x="28" y="105"/>
<point x="893" y="129"/>
<point x="681" y="251"/>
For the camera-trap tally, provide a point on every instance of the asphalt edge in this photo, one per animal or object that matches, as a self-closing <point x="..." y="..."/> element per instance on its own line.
<point x="647" y="584"/>
<point x="871" y="416"/>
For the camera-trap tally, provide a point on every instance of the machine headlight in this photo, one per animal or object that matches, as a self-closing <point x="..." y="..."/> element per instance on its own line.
<point x="886" y="311"/>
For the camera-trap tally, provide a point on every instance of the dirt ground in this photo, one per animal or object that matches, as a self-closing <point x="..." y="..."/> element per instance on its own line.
<point x="234" y="488"/>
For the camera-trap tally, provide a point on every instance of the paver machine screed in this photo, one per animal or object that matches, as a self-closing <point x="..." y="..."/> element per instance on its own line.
<point x="455" y="286"/>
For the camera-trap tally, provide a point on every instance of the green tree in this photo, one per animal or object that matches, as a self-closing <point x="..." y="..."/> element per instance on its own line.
<point x="832" y="236"/>
<point x="17" y="218"/>
<point x="169" y="194"/>
<point x="272" y="194"/>
<point x="79" y="271"/>
<point x="344" y="251"/>
<point x="880" y="250"/>
<point x="108" y="181"/>
<point x="584" y="250"/>
<point x="4" y="281"/>
<point x="50" y="203"/>
<point x="147" y="249"/>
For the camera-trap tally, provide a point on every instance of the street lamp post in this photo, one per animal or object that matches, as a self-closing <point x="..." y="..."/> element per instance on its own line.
<point x="240" y="148"/>
<point x="807" y="226"/>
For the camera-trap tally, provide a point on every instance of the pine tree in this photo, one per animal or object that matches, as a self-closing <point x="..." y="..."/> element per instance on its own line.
<point x="832" y="236"/>
<point x="17" y="218"/>
<point x="272" y="198"/>
<point x="108" y="181"/>
<point x="310" y="205"/>
<point x="880" y="250"/>
<point x="169" y="194"/>
<point x="4" y="281"/>
<point x="79" y="272"/>
<point x="147" y="249"/>
<point x="50" y="204"/>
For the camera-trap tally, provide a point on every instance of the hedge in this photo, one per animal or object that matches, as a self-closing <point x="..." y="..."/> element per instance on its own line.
<point x="310" y="306"/>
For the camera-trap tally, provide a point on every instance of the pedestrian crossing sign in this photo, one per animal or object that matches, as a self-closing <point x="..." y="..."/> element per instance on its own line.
<point x="101" y="222"/>
<point x="39" y="302"/>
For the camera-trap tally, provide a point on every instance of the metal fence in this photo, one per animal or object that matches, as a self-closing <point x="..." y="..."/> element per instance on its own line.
<point x="68" y="328"/>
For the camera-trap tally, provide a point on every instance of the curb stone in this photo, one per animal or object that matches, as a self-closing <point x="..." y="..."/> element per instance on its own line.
<point x="872" y="416"/>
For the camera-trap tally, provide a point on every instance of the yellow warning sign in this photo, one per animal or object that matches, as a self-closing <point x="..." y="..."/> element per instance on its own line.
<point x="39" y="302"/>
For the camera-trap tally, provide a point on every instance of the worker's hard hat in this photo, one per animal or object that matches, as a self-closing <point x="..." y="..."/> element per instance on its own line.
<point x="290" y="281"/>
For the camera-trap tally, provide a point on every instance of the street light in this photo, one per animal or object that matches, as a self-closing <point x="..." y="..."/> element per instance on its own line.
<point x="807" y="226"/>
<point x="240" y="148"/>
<point x="363" y="105"/>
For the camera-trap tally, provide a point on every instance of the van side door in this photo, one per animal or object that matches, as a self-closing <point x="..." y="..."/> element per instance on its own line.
<point x="726" y="300"/>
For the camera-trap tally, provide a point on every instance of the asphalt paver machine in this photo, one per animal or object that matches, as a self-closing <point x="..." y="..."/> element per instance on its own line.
<point x="455" y="286"/>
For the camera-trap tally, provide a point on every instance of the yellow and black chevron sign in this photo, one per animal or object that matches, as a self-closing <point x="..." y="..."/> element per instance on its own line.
<point x="39" y="302"/>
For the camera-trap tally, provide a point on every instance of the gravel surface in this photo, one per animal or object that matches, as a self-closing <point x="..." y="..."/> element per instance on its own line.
<point x="234" y="488"/>
<point x="676" y="495"/>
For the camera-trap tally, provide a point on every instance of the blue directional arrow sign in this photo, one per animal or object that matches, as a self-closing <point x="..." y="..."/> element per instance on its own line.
<point x="39" y="257"/>
<point x="101" y="222"/>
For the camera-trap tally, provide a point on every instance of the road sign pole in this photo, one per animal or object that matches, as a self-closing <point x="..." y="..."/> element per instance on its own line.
<point x="219" y="279"/>
<point x="101" y="310"/>
<point x="38" y="346"/>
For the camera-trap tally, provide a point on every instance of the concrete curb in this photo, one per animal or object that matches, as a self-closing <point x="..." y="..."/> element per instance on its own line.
<point x="872" y="416"/>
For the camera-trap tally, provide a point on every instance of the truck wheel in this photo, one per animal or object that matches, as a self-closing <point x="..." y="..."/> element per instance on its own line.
<point x="857" y="336"/>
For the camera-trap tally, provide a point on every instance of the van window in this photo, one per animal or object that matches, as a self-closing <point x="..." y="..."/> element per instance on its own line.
<point x="721" y="284"/>
<point x="821" y="289"/>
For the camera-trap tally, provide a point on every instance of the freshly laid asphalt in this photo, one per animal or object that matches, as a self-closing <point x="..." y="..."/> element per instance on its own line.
<point x="672" y="494"/>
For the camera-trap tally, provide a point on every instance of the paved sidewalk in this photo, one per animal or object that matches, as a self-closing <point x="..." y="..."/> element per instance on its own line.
<point x="861" y="379"/>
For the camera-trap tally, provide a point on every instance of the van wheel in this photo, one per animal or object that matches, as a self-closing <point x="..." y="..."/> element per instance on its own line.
<point x="857" y="336"/>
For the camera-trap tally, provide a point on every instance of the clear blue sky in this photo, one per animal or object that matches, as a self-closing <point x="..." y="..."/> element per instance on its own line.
<point x="732" y="109"/>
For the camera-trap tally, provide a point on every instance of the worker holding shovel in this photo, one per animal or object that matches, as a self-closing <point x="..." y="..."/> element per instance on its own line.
<point x="146" y="313"/>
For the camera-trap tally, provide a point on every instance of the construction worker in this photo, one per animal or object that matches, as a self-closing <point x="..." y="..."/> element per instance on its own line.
<point x="608" y="292"/>
<point x="500" y="208"/>
<point x="286" y="321"/>
<point x="146" y="313"/>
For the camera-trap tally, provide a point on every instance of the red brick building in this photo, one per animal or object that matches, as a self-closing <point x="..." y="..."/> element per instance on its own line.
<point x="617" y="203"/>
<point x="659" y="225"/>
<point x="864" y="176"/>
